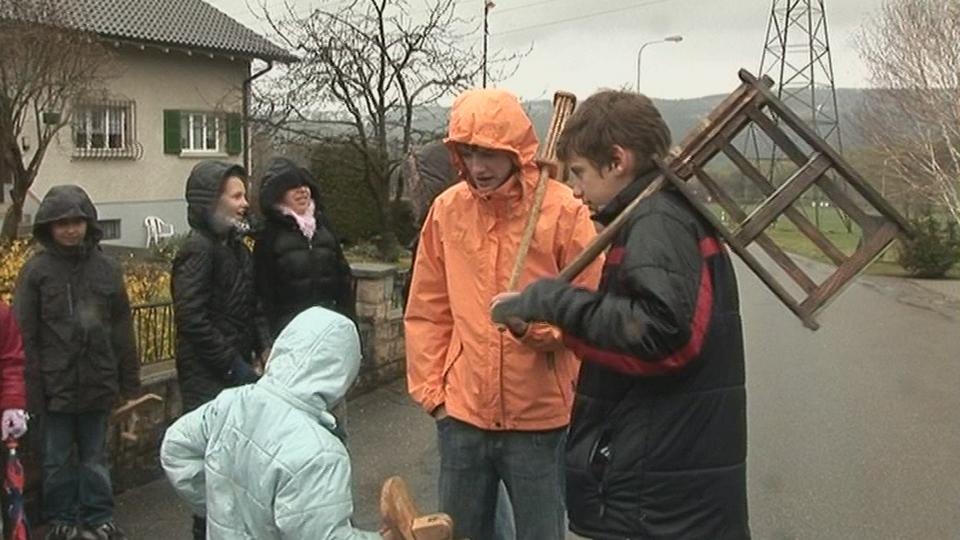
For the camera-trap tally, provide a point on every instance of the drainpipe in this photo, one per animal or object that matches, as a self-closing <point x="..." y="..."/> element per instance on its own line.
<point x="247" y="83"/>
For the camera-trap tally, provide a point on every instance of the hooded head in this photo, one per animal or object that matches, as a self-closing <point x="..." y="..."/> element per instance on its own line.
<point x="427" y="172"/>
<point x="282" y="175"/>
<point x="204" y="186"/>
<point x="494" y="119"/>
<point x="314" y="361"/>
<point x="66" y="202"/>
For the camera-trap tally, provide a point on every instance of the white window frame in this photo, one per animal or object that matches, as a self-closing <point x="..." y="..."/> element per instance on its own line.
<point x="107" y="112"/>
<point x="193" y="146"/>
<point x="106" y="225"/>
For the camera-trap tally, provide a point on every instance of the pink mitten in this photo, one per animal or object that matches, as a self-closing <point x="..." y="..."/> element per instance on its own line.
<point x="13" y="423"/>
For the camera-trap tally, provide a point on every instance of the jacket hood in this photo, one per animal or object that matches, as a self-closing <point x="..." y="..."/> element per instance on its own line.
<point x="492" y="118"/>
<point x="283" y="174"/>
<point x="203" y="190"/>
<point x="64" y="202"/>
<point x="427" y="172"/>
<point x="314" y="361"/>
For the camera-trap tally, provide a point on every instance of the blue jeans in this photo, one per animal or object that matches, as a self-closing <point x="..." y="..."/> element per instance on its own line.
<point x="76" y="490"/>
<point x="473" y="462"/>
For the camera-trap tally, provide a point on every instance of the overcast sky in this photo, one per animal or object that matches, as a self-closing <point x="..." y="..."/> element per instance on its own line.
<point x="594" y="43"/>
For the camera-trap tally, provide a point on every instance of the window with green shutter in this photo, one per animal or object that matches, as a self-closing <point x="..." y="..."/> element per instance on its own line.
<point x="202" y="132"/>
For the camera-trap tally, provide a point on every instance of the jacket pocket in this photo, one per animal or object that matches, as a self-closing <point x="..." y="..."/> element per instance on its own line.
<point x="585" y="495"/>
<point x="560" y="366"/>
<point x="605" y="465"/>
<point x="466" y="240"/>
<point x="103" y="297"/>
<point x="454" y="352"/>
<point x="602" y="493"/>
<point x="57" y="302"/>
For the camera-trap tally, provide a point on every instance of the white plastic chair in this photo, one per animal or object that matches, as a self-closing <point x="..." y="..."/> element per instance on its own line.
<point x="157" y="229"/>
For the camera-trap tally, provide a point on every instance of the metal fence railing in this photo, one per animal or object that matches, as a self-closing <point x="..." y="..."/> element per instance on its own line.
<point x="155" y="332"/>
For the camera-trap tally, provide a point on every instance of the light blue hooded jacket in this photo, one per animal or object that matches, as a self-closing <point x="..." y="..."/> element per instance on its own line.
<point x="261" y="461"/>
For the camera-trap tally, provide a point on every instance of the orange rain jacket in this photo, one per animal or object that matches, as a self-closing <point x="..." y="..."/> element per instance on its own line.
<point x="456" y="356"/>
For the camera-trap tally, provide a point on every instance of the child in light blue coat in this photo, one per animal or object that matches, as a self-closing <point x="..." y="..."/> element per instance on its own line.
<point x="265" y="461"/>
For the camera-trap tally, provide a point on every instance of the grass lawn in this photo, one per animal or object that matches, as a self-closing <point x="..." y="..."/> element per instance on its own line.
<point x="786" y="235"/>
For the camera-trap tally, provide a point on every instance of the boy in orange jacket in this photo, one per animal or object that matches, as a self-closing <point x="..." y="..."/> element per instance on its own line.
<point x="501" y="398"/>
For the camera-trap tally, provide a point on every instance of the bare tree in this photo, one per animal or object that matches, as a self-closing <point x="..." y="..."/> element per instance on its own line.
<point x="45" y="68"/>
<point x="367" y="68"/>
<point x="912" y="49"/>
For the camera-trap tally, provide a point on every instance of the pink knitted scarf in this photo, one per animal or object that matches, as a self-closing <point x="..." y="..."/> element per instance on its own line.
<point x="307" y="221"/>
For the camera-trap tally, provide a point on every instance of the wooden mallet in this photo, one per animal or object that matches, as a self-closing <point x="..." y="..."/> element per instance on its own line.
<point x="400" y="514"/>
<point x="563" y="105"/>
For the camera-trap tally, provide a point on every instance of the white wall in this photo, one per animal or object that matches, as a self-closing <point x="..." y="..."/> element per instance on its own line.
<point x="130" y="189"/>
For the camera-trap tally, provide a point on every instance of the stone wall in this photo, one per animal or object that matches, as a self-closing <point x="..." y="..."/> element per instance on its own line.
<point x="380" y="314"/>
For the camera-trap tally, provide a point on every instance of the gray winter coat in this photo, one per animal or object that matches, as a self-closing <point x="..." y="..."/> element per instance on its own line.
<point x="73" y="311"/>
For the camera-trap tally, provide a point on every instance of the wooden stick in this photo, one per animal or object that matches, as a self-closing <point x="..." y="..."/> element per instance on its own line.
<point x="127" y="415"/>
<point x="563" y="104"/>
<point x="132" y="405"/>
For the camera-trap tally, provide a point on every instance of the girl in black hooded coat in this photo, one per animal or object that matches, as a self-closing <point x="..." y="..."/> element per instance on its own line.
<point x="298" y="260"/>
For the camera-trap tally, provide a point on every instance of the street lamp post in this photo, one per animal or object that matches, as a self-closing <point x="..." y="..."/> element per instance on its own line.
<point x="669" y="39"/>
<point x="487" y="6"/>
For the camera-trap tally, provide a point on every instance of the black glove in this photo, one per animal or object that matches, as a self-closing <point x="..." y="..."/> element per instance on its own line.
<point x="241" y="373"/>
<point x="533" y="304"/>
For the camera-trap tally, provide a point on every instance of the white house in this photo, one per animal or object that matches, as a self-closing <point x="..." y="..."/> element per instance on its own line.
<point x="180" y="95"/>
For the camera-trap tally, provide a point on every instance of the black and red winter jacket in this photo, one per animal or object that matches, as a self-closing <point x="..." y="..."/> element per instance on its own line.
<point x="657" y="443"/>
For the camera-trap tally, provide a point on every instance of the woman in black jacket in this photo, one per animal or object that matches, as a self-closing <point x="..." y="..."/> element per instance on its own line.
<point x="298" y="259"/>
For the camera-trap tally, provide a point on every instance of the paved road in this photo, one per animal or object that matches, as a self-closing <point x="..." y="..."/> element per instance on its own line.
<point x="854" y="429"/>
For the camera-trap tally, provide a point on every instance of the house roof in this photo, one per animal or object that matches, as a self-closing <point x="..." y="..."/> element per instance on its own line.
<point x="193" y="24"/>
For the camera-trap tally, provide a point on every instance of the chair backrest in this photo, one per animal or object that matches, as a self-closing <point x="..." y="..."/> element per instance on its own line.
<point x="153" y="225"/>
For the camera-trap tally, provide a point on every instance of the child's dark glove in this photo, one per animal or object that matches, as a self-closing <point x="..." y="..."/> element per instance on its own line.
<point x="533" y="304"/>
<point x="241" y="373"/>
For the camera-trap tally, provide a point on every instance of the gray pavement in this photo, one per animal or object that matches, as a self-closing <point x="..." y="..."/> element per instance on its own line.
<point x="854" y="430"/>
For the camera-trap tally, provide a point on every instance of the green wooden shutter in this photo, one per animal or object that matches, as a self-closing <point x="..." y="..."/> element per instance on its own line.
<point x="234" y="134"/>
<point x="171" y="132"/>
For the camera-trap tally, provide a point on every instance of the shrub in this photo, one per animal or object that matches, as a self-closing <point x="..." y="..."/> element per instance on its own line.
<point x="13" y="255"/>
<point x="146" y="283"/>
<point x="932" y="252"/>
<point x="166" y="249"/>
<point x="347" y="200"/>
<point x="369" y="251"/>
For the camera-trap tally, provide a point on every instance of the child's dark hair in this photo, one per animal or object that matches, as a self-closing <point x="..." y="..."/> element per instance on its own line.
<point x="615" y="117"/>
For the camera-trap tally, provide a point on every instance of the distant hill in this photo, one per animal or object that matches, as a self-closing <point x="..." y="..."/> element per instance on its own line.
<point x="680" y="114"/>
